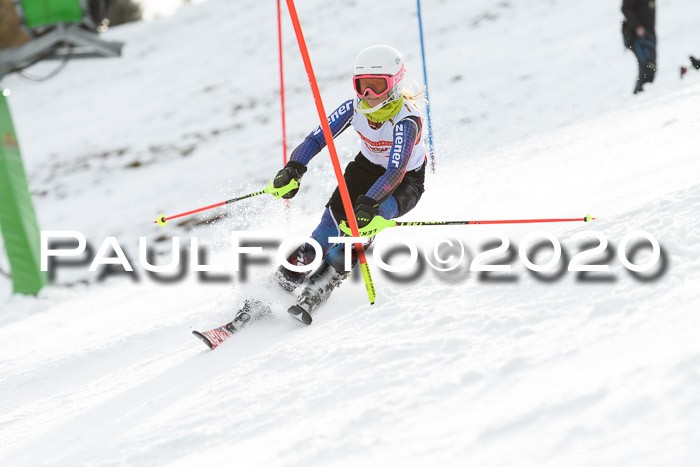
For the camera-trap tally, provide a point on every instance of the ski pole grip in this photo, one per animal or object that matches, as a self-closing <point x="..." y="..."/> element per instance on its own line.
<point x="281" y="191"/>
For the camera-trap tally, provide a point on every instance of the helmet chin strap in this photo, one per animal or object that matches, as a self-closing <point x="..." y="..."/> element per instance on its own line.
<point x="375" y="108"/>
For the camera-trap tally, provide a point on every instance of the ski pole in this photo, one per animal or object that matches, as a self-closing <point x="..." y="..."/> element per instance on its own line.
<point x="379" y="223"/>
<point x="276" y="192"/>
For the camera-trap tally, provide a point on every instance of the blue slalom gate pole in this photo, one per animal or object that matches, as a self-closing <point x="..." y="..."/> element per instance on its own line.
<point x="427" y="95"/>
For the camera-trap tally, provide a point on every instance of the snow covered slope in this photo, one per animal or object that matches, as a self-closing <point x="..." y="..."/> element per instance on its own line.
<point x="534" y="117"/>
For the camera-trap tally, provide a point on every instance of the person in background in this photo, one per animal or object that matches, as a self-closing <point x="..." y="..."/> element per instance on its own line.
<point x="639" y="35"/>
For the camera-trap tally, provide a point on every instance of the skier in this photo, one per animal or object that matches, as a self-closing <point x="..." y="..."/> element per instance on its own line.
<point x="639" y="35"/>
<point x="386" y="177"/>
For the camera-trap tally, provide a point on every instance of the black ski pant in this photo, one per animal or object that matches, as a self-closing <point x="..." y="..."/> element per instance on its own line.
<point x="361" y="174"/>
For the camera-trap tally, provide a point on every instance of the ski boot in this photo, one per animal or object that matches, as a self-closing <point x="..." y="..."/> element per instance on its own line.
<point x="251" y="309"/>
<point x="290" y="280"/>
<point x="317" y="292"/>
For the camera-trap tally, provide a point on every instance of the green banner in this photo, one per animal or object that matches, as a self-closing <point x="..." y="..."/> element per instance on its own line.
<point x="47" y="12"/>
<point x="18" y="223"/>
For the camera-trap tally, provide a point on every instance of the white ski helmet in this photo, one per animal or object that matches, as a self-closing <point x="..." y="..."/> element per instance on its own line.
<point x="379" y="61"/>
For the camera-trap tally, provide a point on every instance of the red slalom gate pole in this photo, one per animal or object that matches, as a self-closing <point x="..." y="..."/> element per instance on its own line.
<point x="279" y="46"/>
<point x="347" y="204"/>
<point x="284" y="124"/>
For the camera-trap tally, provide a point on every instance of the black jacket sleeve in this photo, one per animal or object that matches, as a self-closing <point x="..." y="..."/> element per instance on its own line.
<point x="640" y="13"/>
<point x="629" y="9"/>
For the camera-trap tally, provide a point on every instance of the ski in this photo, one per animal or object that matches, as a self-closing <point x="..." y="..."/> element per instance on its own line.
<point x="314" y="295"/>
<point x="251" y="309"/>
<point x="216" y="336"/>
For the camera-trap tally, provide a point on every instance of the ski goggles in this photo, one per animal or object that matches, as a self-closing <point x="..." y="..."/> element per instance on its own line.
<point x="377" y="85"/>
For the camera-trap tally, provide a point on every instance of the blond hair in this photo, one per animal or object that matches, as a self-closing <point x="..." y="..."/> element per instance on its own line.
<point x="414" y="97"/>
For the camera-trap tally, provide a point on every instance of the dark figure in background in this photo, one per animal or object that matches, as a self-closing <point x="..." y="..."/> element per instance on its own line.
<point x="695" y="62"/>
<point x="639" y="34"/>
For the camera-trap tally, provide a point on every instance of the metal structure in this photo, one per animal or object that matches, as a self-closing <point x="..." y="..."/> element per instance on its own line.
<point x="59" y="29"/>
